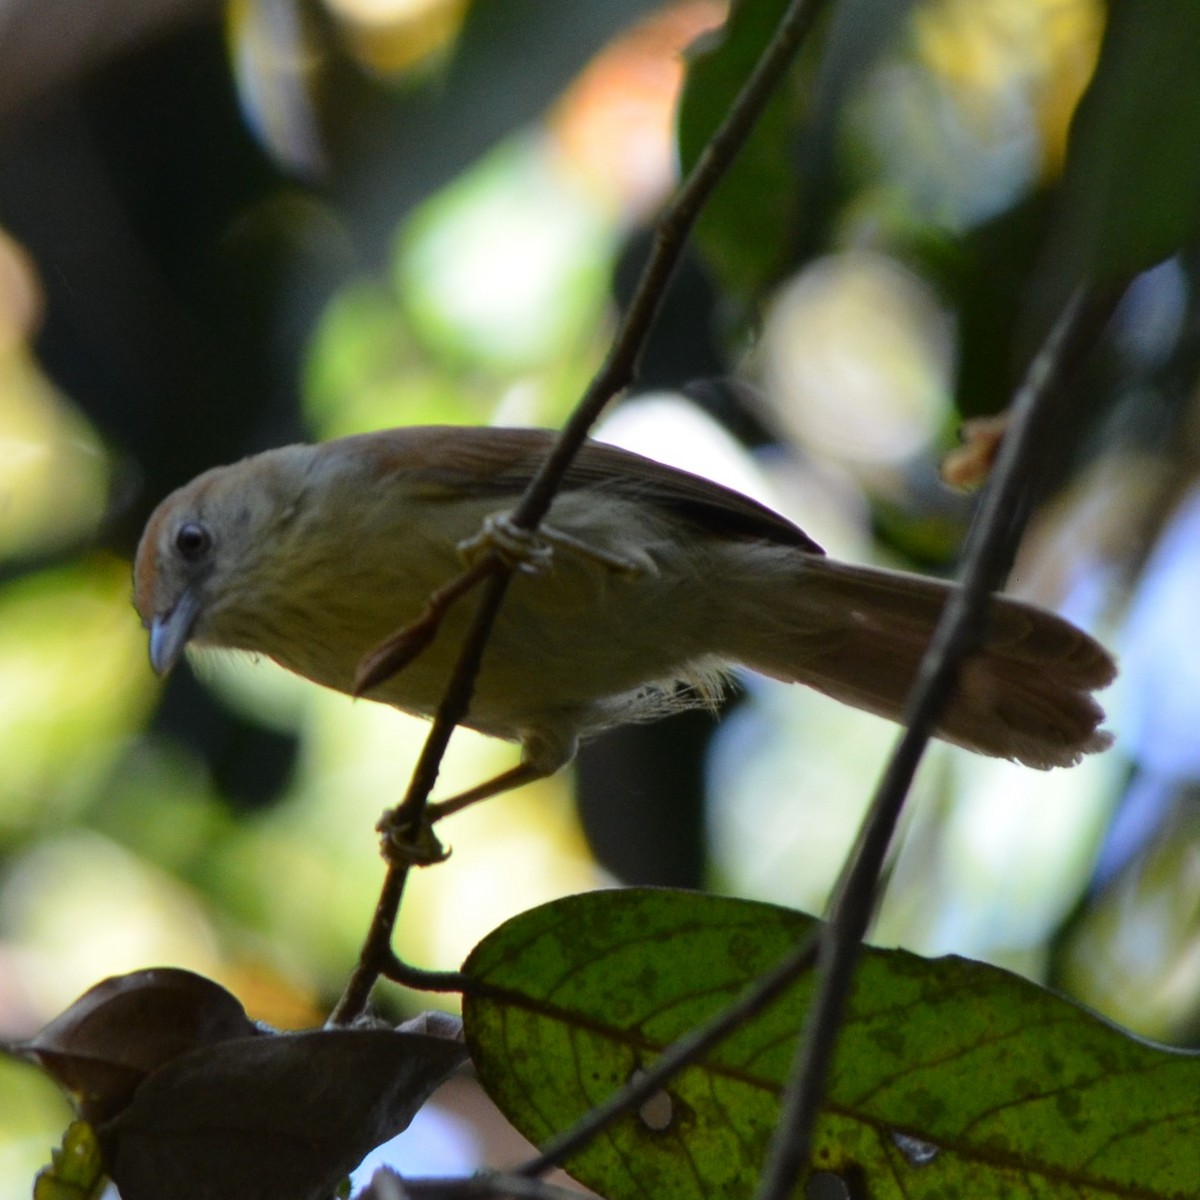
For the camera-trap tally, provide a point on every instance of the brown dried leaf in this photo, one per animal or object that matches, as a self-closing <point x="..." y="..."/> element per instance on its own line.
<point x="283" y="1117"/>
<point x="968" y="466"/>
<point x="118" y="1032"/>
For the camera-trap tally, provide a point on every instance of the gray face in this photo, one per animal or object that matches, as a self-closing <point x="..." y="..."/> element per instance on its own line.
<point x="206" y="547"/>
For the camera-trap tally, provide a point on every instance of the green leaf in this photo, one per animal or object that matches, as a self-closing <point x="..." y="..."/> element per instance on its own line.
<point x="952" y="1078"/>
<point x="75" y="1172"/>
<point x="746" y="229"/>
<point x="1132" y="185"/>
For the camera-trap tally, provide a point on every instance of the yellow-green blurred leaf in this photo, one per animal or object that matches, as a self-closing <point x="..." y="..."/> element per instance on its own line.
<point x="73" y="683"/>
<point x="364" y="371"/>
<point x="35" y="1112"/>
<point x="506" y="267"/>
<point x="53" y="477"/>
<point x="397" y="36"/>
<point x="276" y="57"/>
<point x="1134" y="952"/>
<point x="75" y="1171"/>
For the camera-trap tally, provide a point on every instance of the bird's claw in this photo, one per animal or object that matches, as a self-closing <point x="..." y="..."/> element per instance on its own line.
<point x="409" y="843"/>
<point x="532" y="551"/>
<point x="524" y="550"/>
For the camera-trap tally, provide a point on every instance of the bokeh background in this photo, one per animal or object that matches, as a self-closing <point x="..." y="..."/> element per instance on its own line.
<point x="226" y="226"/>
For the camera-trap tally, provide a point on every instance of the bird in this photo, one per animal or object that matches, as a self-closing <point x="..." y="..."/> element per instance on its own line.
<point x="641" y="593"/>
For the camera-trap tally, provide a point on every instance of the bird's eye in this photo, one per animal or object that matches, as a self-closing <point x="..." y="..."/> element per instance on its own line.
<point x="193" y="541"/>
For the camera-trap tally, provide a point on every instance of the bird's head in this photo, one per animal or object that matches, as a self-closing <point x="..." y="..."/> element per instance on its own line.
<point x="207" y="551"/>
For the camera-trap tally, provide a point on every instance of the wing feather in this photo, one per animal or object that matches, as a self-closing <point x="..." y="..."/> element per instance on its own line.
<point x="501" y="461"/>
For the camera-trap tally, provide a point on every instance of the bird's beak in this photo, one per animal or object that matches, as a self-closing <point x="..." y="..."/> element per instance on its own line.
<point x="170" y="631"/>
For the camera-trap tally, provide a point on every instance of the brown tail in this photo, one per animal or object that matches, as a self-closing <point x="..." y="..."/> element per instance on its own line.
<point x="859" y="634"/>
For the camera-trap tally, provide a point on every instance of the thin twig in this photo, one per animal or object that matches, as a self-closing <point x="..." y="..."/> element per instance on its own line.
<point x="375" y="949"/>
<point x="1036" y="408"/>
<point x="614" y="376"/>
<point x="376" y="957"/>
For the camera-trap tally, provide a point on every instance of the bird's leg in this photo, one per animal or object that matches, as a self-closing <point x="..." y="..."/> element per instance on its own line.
<point x="413" y="842"/>
<point x="506" y="781"/>
<point x="532" y="551"/>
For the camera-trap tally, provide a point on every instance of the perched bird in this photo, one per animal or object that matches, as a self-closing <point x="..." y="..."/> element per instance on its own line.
<point x="653" y="584"/>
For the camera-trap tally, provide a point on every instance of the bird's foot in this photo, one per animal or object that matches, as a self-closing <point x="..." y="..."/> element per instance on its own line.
<point x="525" y="550"/>
<point x="407" y="842"/>
<point x="532" y="551"/>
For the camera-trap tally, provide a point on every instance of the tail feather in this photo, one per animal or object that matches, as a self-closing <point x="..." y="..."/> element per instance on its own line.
<point x="859" y="635"/>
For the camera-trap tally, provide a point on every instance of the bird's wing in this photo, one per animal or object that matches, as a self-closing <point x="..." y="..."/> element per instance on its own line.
<point x="501" y="461"/>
